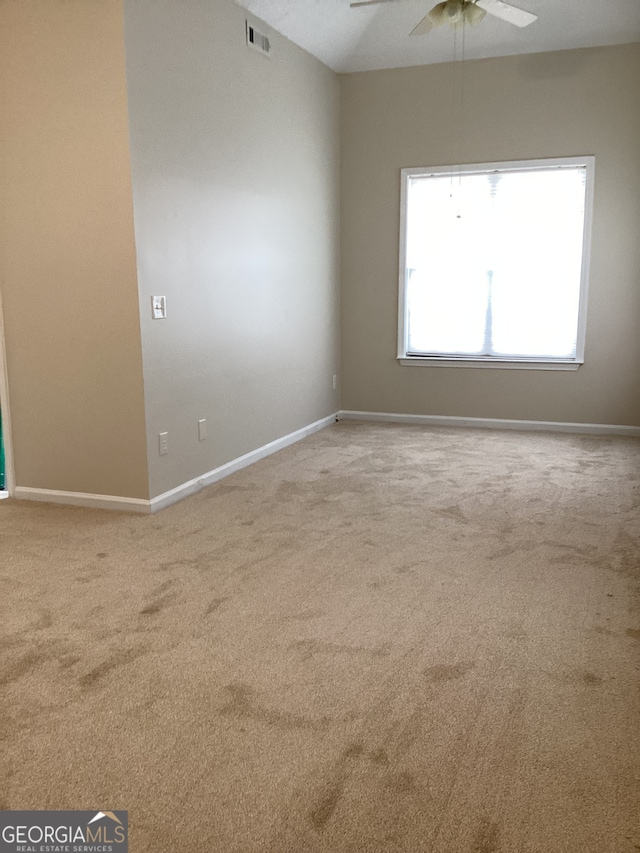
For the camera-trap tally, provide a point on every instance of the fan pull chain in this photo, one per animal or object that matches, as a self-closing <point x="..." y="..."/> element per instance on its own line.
<point x="458" y="114"/>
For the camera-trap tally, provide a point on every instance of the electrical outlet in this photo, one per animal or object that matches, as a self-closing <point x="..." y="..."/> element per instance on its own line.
<point x="335" y="381"/>
<point x="202" y="429"/>
<point x="163" y="443"/>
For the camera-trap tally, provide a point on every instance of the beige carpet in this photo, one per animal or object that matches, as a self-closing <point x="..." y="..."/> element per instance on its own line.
<point x="382" y="639"/>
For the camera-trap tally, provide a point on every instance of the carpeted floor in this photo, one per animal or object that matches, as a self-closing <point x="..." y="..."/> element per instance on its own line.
<point x="382" y="639"/>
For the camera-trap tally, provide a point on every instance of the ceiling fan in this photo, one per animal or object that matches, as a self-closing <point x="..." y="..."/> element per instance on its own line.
<point x="461" y="12"/>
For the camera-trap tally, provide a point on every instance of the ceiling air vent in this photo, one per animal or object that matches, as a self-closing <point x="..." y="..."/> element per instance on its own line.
<point x="257" y="40"/>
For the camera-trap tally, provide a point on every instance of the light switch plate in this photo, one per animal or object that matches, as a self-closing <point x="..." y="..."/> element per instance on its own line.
<point x="159" y="307"/>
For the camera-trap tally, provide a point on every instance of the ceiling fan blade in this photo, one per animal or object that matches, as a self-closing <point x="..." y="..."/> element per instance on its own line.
<point x="473" y="14"/>
<point x="368" y="3"/>
<point x="425" y="26"/>
<point x="442" y="13"/>
<point x="508" y="13"/>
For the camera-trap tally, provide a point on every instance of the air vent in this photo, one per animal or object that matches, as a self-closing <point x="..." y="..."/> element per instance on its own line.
<point x="257" y="40"/>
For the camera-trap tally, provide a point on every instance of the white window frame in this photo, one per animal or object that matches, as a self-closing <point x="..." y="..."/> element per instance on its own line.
<point x="535" y="363"/>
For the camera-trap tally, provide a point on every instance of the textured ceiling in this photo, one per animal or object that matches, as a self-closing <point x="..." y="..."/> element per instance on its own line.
<point x="372" y="37"/>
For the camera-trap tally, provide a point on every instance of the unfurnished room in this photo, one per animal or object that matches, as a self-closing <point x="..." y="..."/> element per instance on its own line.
<point x="320" y="426"/>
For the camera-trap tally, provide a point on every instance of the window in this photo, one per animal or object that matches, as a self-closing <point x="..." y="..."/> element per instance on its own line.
<point x="494" y="264"/>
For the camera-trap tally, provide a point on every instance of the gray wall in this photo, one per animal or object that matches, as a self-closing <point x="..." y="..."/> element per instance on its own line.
<point x="544" y="105"/>
<point x="235" y="164"/>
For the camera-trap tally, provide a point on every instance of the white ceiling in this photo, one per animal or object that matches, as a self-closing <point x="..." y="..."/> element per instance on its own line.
<point x="372" y="37"/>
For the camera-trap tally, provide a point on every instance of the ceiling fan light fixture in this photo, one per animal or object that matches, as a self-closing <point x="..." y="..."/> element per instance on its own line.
<point x="455" y="8"/>
<point x="457" y="13"/>
<point x="458" y="20"/>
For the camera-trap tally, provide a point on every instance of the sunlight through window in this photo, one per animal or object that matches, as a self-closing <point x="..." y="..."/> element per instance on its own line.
<point x="494" y="262"/>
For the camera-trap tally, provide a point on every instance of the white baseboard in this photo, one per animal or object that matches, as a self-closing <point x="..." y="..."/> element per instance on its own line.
<point x="138" y="505"/>
<point x="4" y="494"/>
<point x="53" y="496"/>
<point x="490" y="423"/>
<point x="193" y="486"/>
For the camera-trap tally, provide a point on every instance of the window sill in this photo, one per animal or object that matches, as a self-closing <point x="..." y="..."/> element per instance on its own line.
<point x="495" y="363"/>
